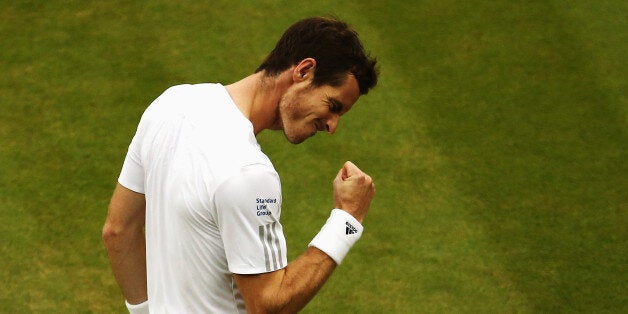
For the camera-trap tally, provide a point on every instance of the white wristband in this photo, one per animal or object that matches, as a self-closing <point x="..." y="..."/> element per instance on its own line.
<point x="338" y="235"/>
<point x="141" y="308"/>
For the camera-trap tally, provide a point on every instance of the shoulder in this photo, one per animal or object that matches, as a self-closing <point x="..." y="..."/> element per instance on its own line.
<point x="186" y="93"/>
<point x="190" y="100"/>
<point x="191" y="88"/>
<point x="253" y="177"/>
<point x="251" y="181"/>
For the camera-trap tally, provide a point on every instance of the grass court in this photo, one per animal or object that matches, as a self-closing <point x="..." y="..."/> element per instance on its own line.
<point x="497" y="139"/>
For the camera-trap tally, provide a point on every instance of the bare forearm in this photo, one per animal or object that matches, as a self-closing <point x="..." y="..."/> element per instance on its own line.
<point x="287" y="290"/>
<point x="127" y="255"/>
<point x="303" y="278"/>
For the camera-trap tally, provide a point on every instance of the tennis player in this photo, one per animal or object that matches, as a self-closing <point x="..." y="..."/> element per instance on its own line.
<point x="194" y="221"/>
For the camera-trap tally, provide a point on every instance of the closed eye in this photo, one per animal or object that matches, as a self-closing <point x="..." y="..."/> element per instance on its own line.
<point x="335" y="106"/>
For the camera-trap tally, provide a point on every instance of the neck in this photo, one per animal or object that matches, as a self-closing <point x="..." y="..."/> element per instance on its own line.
<point x="257" y="96"/>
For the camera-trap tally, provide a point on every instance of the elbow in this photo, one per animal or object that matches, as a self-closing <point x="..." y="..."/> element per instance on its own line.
<point x="268" y="310"/>
<point x="110" y="233"/>
<point x="114" y="234"/>
<point x="273" y="304"/>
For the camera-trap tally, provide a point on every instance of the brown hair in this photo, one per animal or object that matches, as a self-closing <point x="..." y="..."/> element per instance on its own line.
<point x="335" y="47"/>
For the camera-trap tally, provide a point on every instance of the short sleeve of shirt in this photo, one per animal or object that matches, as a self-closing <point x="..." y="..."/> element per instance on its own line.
<point x="248" y="207"/>
<point x="132" y="173"/>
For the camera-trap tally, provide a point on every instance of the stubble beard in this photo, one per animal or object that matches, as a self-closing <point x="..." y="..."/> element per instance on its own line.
<point x="287" y="113"/>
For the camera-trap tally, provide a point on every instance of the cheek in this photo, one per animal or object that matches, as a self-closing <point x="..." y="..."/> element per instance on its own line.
<point x="293" y="108"/>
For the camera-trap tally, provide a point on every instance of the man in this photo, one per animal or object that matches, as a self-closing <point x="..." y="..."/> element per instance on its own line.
<point x="193" y="224"/>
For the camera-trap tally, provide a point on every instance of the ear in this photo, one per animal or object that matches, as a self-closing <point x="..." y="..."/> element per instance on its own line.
<point x="304" y="70"/>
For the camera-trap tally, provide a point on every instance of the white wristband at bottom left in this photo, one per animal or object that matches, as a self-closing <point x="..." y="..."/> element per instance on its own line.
<point x="141" y="308"/>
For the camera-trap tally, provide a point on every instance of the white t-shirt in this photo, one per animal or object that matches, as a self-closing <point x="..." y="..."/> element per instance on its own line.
<point x="213" y="200"/>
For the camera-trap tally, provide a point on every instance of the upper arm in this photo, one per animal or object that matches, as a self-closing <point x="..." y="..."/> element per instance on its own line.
<point x="257" y="288"/>
<point x="289" y="289"/>
<point x="248" y="208"/>
<point x="126" y="209"/>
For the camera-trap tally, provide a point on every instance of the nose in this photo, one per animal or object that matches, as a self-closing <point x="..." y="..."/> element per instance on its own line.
<point x="331" y="124"/>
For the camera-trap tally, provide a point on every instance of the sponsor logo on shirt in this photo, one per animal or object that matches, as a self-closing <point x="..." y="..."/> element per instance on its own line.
<point x="262" y="205"/>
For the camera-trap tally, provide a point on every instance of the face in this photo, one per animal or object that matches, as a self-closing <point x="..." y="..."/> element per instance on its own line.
<point x="305" y="110"/>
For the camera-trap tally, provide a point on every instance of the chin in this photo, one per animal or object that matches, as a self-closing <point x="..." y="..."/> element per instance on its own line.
<point x="296" y="139"/>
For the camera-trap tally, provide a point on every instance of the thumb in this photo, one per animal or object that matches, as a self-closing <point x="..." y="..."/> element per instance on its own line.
<point x="350" y="169"/>
<point x="342" y="174"/>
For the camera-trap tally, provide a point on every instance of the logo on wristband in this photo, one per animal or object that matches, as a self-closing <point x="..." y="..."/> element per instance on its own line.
<point x="350" y="229"/>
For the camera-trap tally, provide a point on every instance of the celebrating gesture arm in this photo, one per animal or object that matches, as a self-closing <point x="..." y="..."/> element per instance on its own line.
<point x="289" y="289"/>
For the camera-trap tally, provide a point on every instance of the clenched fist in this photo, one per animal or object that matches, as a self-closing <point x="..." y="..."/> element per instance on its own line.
<point x="353" y="191"/>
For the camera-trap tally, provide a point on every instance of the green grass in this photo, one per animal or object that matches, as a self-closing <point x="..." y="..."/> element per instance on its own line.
<point x="497" y="139"/>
